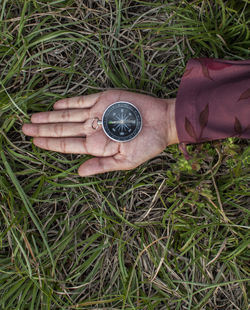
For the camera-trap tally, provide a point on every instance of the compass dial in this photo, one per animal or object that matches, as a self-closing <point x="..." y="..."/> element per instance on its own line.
<point x="121" y="121"/>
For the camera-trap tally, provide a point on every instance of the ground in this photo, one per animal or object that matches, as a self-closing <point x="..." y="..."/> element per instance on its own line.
<point x="170" y="234"/>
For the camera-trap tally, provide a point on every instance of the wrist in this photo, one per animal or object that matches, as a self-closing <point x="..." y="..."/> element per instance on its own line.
<point x="172" y="136"/>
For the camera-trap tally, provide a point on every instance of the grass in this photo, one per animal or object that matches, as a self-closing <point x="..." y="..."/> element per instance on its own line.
<point x="170" y="234"/>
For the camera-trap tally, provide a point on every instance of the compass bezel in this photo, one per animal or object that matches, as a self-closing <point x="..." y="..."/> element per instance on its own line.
<point x="133" y="109"/>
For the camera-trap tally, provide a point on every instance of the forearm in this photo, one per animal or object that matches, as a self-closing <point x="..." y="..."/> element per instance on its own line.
<point x="213" y="101"/>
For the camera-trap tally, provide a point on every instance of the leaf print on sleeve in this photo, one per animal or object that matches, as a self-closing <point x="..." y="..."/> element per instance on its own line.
<point x="245" y="95"/>
<point x="247" y="128"/>
<point x="203" y="119"/>
<point x="216" y="65"/>
<point x="213" y="65"/>
<point x="190" y="129"/>
<point x="205" y="70"/>
<point x="237" y="126"/>
<point x="187" y="72"/>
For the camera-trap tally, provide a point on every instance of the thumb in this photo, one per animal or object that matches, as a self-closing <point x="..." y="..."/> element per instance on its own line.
<point x="102" y="164"/>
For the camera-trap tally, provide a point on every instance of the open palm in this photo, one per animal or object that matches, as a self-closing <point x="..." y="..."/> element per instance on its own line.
<point x="68" y="129"/>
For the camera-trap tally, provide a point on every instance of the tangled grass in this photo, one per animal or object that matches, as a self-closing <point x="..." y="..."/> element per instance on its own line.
<point x="170" y="234"/>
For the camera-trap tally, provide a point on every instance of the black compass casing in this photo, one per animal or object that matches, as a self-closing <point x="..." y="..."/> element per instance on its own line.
<point x="121" y="121"/>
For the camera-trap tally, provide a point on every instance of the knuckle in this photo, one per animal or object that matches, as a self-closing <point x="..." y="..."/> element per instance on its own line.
<point x="47" y="144"/>
<point x="38" y="131"/>
<point x="65" y="115"/>
<point x="63" y="145"/>
<point x="88" y="113"/>
<point x="58" y="129"/>
<point x="86" y="128"/>
<point x="67" y="102"/>
<point x="80" y="101"/>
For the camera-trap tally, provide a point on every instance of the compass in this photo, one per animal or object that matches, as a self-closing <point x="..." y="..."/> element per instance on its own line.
<point x="121" y="121"/>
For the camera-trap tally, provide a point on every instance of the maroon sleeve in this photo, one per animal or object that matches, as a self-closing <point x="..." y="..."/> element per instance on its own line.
<point x="213" y="101"/>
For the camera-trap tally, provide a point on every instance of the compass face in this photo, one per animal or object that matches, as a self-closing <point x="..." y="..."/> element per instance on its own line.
<point x="122" y="121"/>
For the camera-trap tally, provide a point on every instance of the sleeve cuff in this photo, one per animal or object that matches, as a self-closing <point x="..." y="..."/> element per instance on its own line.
<point x="213" y="100"/>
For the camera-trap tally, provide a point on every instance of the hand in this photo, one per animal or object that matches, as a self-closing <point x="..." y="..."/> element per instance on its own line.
<point x="68" y="129"/>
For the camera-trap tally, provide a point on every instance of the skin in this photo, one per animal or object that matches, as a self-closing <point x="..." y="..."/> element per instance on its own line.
<point x="68" y="129"/>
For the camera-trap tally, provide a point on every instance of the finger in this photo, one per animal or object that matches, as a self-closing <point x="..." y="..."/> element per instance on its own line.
<point x="76" y="115"/>
<point x="93" y="145"/>
<point x="57" y="130"/>
<point x="103" y="164"/>
<point x="62" y="145"/>
<point x="78" y="102"/>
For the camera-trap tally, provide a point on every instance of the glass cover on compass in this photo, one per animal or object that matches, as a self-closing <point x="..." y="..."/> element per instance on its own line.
<point x="121" y="121"/>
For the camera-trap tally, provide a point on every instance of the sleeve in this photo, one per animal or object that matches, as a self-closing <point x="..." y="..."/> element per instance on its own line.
<point x="213" y="101"/>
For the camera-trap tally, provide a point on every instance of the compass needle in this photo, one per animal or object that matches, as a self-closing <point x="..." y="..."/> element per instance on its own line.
<point x="121" y="121"/>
